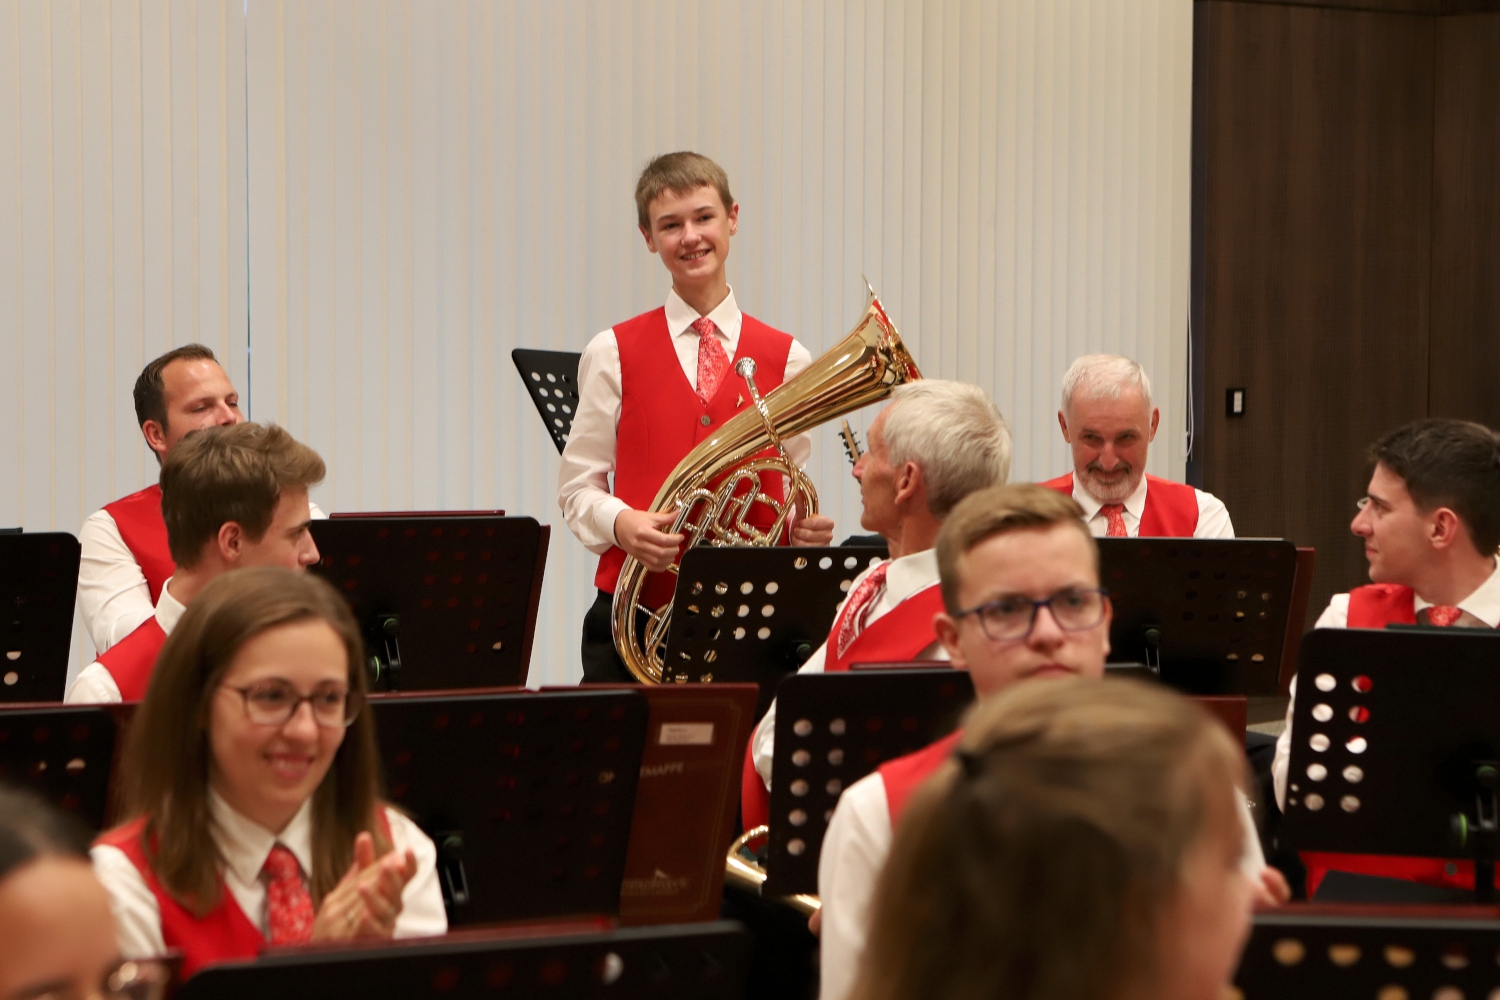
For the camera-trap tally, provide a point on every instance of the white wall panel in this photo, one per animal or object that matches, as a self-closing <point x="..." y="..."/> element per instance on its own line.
<point x="433" y="184"/>
<point x="122" y="233"/>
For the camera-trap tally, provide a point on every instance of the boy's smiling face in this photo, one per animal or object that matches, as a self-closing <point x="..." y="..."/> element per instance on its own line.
<point x="691" y="232"/>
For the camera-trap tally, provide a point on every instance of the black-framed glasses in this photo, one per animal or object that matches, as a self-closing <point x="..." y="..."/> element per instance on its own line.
<point x="1012" y="617"/>
<point x="273" y="702"/>
<point x="133" y="979"/>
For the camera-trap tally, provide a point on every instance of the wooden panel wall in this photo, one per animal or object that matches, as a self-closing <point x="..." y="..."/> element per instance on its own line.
<point x="1313" y="216"/>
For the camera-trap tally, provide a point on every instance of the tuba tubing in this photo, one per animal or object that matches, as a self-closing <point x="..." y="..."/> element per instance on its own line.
<point x="750" y="876"/>
<point x="861" y="369"/>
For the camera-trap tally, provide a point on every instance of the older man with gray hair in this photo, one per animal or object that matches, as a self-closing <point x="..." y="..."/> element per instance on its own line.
<point x="933" y="444"/>
<point x="1109" y="420"/>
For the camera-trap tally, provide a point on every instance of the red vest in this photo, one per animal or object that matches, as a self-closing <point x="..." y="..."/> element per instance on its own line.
<point x="131" y="660"/>
<point x="895" y="637"/>
<point x="224" y="934"/>
<point x="1377" y="605"/>
<point x="1171" y="508"/>
<point x="903" y="775"/>
<point x="138" y="517"/>
<point x="662" y="418"/>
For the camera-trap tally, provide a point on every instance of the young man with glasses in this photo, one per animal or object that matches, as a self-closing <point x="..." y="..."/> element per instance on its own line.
<point x="232" y="496"/>
<point x="1021" y="601"/>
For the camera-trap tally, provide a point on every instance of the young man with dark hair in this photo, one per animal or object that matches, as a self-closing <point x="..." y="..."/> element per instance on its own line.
<point x="231" y="497"/>
<point x="1430" y="520"/>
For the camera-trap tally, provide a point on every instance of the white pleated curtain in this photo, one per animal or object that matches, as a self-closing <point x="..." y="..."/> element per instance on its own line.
<point x="433" y="184"/>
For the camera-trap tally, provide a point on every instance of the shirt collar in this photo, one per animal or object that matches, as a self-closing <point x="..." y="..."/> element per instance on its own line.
<point x="1483" y="604"/>
<point x="726" y="316"/>
<point x="910" y="574"/>
<point x="169" y="609"/>
<point x="1135" y="504"/>
<point x="245" y="845"/>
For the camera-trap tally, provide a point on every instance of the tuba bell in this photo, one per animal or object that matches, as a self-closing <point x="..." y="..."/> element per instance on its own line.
<point x="717" y="488"/>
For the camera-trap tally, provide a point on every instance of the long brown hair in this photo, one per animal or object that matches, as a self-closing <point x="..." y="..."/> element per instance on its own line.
<point x="1036" y="863"/>
<point x="167" y="755"/>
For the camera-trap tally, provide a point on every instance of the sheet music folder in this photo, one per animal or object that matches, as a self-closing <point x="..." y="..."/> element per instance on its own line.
<point x="702" y="961"/>
<point x="444" y="602"/>
<point x="742" y="613"/>
<point x="1210" y="613"/>
<point x="527" y="795"/>
<point x="551" y="380"/>
<point x="832" y="730"/>
<point x="1390" y="734"/>
<point x="38" y="588"/>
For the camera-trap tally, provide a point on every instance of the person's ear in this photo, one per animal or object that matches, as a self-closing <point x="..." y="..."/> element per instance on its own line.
<point x="945" y="628"/>
<point x="231" y="543"/>
<point x="1109" y="616"/>
<point x="1062" y="422"/>
<point x="734" y="218"/>
<point x="156" y="437"/>
<point x="1155" y="419"/>
<point x="646" y="235"/>
<point x="1444" y="528"/>
<point x="910" y="484"/>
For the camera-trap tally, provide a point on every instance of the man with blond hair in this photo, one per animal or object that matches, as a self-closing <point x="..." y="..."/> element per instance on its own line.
<point x="232" y="496"/>
<point x="933" y="444"/>
<point x="1109" y="420"/>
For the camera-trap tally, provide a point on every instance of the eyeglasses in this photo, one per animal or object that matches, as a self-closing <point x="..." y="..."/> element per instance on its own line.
<point x="1012" y="617"/>
<point x="274" y="702"/>
<point x="130" y="980"/>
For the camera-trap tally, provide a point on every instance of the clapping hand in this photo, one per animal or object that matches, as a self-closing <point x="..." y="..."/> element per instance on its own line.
<point x="367" y="900"/>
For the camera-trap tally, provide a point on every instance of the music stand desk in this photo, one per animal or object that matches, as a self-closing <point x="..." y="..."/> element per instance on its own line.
<point x="64" y="753"/>
<point x="38" y="588"/>
<point x="551" y="380"/>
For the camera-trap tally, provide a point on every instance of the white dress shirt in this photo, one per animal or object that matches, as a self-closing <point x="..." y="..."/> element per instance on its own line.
<point x="588" y="459"/>
<point x="95" y="685"/>
<point x="1483" y="604"/>
<point x="113" y="598"/>
<point x="245" y="847"/>
<point x="854" y="852"/>
<point x="1213" y="516"/>
<point x="907" y="576"/>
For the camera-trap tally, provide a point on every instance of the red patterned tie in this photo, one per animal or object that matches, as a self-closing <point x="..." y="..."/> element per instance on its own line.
<point x="712" y="361"/>
<point x="1116" y="514"/>
<point x="1442" y="614"/>
<point x="853" y="621"/>
<point x="287" y="901"/>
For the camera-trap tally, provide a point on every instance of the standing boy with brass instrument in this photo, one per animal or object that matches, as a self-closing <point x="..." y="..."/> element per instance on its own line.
<point x="637" y="418"/>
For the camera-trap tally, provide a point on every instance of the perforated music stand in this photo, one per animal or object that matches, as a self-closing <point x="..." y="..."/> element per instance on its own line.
<point x="444" y="602"/>
<point x="528" y="796"/>
<point x="1391" y="736"/>
<point x="1210" y="614"/>
<point x="551" y="379"/>
<point x="1320" y="952"/>
<point x="756" y="614"/>
<point x="38" y="587"/>
<point x="62" y="753"/>
<point x="832" y="730"/>
<point x="702" y="961"/>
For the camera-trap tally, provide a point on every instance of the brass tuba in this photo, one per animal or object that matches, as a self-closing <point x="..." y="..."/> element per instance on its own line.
<point x="715" y="487"/>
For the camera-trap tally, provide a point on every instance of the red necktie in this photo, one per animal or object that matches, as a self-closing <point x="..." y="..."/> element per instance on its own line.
<point x="287" y="901"/>
<point x="712" y="361"/>
<point x="1443" y="614"/>
<point x="1116" y="514"/>
<point x="853" y="621"/>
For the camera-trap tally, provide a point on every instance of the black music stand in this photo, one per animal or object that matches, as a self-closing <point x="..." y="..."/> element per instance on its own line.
<point x="551" y="379"/>
<point x="832" y="730"/>
<point x="1209" y="615"/>
<point x="756" y="614"/>
<point x="528" y="796"/>
<point x="444" y="602"/>
<point x="1383" y="953"/>
<point x="62" y="753"/>
<point x="702" y="961"/>
<point x="38" y="587"/>
<point x="1395" y="743"/>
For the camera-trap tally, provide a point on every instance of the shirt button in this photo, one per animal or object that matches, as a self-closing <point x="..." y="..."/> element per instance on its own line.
<point x="704" y="420"/>
<point x="1450" y="869"/>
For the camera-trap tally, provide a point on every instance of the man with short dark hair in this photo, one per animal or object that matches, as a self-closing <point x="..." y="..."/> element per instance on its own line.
<point x="231" y="497"/>
<point x="1430" y="520"/>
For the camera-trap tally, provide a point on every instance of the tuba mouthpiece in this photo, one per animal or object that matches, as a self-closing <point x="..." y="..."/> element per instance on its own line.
<point x="745" y="367"/>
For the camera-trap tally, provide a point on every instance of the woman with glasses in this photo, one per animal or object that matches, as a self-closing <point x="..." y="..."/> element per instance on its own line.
<point x="252" y="781"/>
<point x="57" y="940"/>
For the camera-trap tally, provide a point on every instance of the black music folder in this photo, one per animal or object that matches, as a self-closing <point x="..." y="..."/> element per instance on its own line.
<point x="64" y="753"/>
<point x="1396" y="747"/>
<point x="701" y="961"/>
<point x="551" y="380"/>
<point x="1209" y="615"/>
<point x="38" y="588"/>
<point x="832" y="730"/>
<point x="527" y="795"/>
<point x="445" y="602"/>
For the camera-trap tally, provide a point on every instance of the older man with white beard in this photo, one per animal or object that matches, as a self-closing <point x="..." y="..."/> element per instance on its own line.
<point x="1109" y="420"/>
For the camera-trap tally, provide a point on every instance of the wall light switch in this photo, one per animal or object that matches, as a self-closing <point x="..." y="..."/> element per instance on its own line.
<point x="1234" y="402"/>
